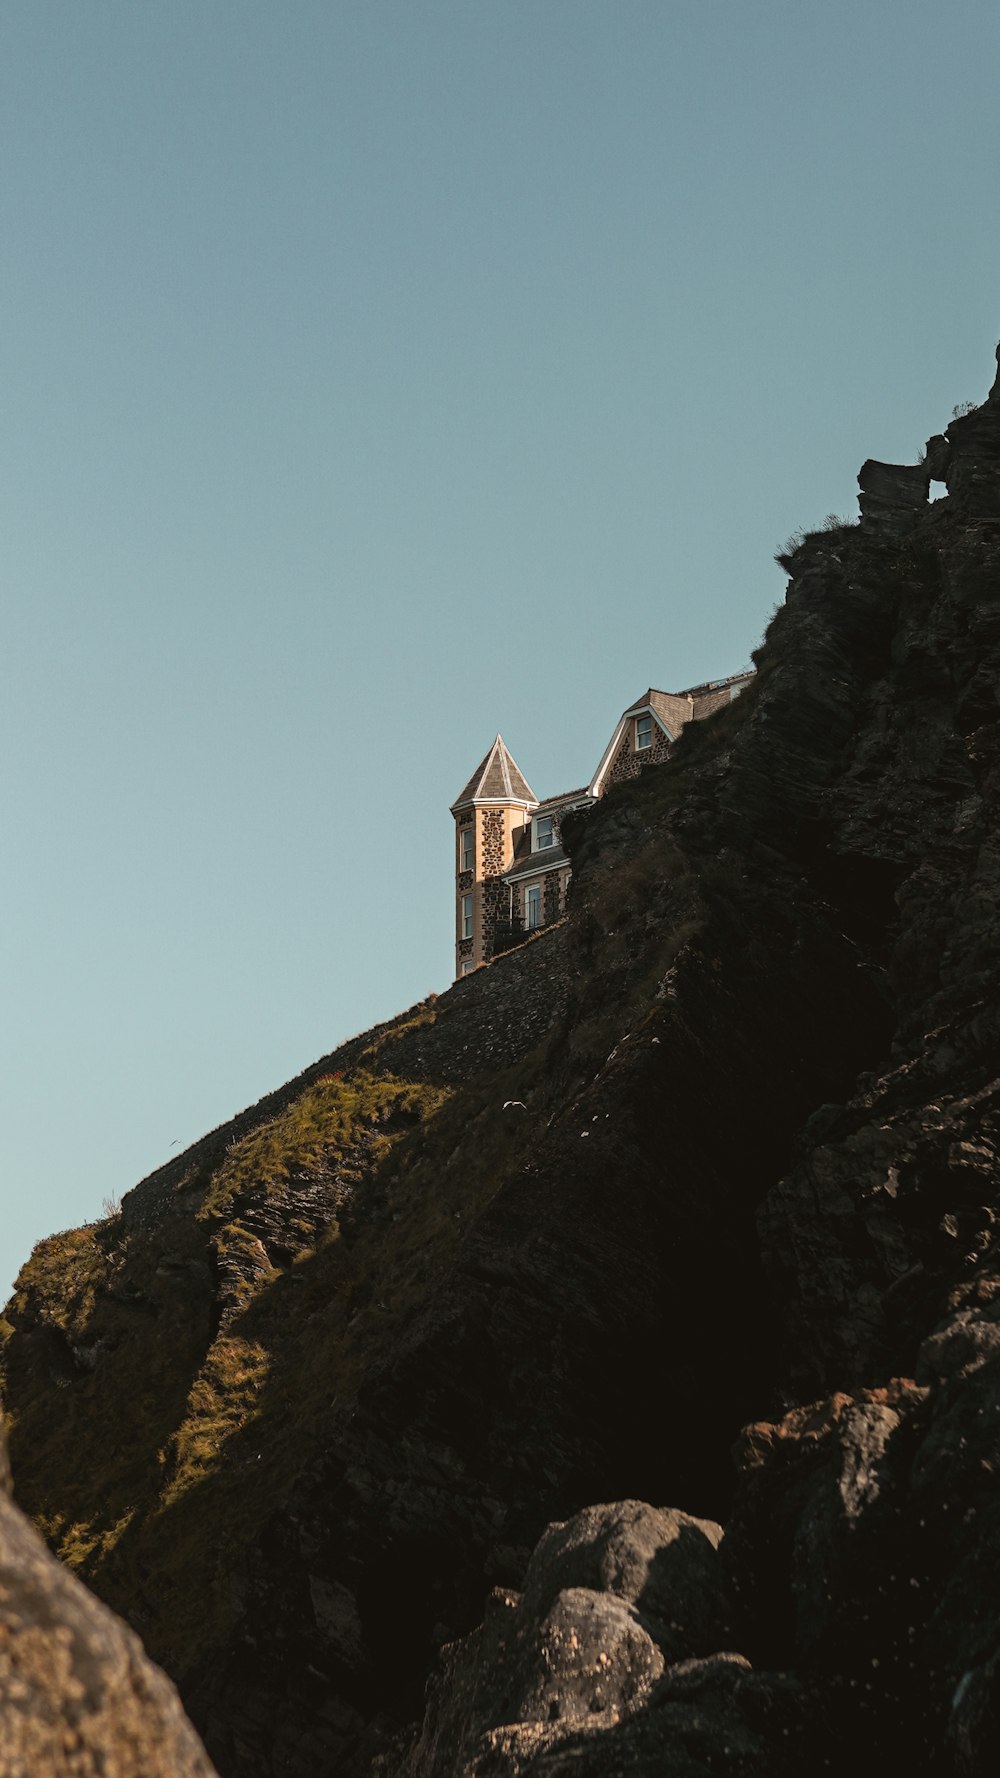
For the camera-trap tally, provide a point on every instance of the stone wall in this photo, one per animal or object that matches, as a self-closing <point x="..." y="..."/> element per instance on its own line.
<point x="493" y="842"/>
<point x="627" y="763"/>
<point x="493" y="912"/>
<point x="489" y="1019"/>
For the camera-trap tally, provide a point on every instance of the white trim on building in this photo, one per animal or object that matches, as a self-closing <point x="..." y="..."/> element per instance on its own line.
<point x="612" y="747"/>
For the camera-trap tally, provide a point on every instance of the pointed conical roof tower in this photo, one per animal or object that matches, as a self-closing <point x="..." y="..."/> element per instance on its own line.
<point x="493" y="807"/>
<point x="497" y="779"/>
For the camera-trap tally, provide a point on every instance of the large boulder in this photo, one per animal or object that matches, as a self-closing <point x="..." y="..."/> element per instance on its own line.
<point x="661" y="1563"/>
<point x="612" y="1659"/>
<point x="78" y="1696"/>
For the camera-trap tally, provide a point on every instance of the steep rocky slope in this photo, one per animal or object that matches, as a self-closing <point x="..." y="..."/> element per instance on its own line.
<point x="314" y="1395"/>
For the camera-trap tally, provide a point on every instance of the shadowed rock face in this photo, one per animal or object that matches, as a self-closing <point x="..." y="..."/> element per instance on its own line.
<point x="78" y="1697"/>
<point x="604" y="1664"/>
<point x="892" y="496"/>
<point x="752" y="1180"/>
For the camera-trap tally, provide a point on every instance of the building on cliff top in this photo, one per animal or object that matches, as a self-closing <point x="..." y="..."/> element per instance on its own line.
<point x="511" y="872"/>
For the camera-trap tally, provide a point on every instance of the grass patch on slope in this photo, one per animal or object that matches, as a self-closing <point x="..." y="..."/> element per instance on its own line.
<point x="326" y="1324"/>
<point x="323" y="1124"/>
<point x="123" y="1393"/>
<point x="64" y="1272"/>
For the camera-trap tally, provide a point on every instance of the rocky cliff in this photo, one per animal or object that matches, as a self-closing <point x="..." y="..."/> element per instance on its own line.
<point x="686" y="1207"/>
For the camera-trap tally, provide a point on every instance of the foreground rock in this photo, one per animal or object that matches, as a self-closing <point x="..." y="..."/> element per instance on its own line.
<point x="605" y="1665"/>
<point x="78" y="1697"/>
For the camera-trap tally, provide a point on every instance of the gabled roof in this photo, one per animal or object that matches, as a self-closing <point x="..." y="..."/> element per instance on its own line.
<point x="497" y="779"/>
<point x="659" y="701"/>
<point x="662" y="705"/>
<point x="653" y="701"/>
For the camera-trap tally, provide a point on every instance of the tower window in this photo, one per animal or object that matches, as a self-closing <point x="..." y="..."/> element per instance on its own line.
<point x="466" y="916"/>
<point x="643" y="732"/>
<point x="466" y="848"/>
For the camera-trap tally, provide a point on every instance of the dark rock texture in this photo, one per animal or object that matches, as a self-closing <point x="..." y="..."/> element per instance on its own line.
<point x="973" y="474"/>
<point x="720" y="1151"/>
<point x="612" y="1601"/>
<point x="604" y="1665"/>
<point x="78" y="1698"/>
<point x="892" y="496"/>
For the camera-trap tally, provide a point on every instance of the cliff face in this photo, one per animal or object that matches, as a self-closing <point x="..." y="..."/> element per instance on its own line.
<point x="717" y="1152"/>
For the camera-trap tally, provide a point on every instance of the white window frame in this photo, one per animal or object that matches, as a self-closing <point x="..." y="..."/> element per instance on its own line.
<point x="466" y="848"/>
<point x="543" y="833"/>
<point x="531" y="889"/>
<point x="468" y="966"/>
<point x="467" y="916"/>
<point x="643" y="726"/>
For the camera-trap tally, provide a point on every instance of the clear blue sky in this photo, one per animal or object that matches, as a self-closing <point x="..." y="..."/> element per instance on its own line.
<point x="376" y="375"/>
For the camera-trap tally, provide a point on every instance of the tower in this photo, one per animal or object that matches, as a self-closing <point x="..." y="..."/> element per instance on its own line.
<point x="497" y="800"/>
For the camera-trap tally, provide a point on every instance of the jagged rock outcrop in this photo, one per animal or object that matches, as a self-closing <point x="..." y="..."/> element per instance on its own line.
<point x="605" y="1663"/>
<point x="973" y="474"/>
<point x="373" y="1337"/>
<point x="892" y="496"/>
<point x="78" y="1697"/>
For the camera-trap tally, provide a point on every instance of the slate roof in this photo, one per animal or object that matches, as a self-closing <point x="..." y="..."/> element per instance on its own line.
<point x="527" y="863"/>
<point x="654" y="700"/>
<point x="549" y="803"/>
<point x="702" y="691"/>
<point x="497" y="779"/>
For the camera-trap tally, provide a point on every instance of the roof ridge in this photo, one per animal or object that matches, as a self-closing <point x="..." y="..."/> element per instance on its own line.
<point x="504" y="765"/>
<point x="510" y="784"/>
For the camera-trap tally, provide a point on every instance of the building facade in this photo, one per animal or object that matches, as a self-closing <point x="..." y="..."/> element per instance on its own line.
<point x="511" y="871"/>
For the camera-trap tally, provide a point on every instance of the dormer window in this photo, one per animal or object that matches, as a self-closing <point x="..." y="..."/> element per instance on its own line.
<point x="643" y="732"/>
<point x="542" y="833"/>
<point x="466" y="848"/>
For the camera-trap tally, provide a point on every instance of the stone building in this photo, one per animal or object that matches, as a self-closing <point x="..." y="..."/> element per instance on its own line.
<point x="511" y="872"/>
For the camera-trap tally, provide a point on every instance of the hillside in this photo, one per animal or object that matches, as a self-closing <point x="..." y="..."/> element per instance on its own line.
<point x="716" y="1152"/>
